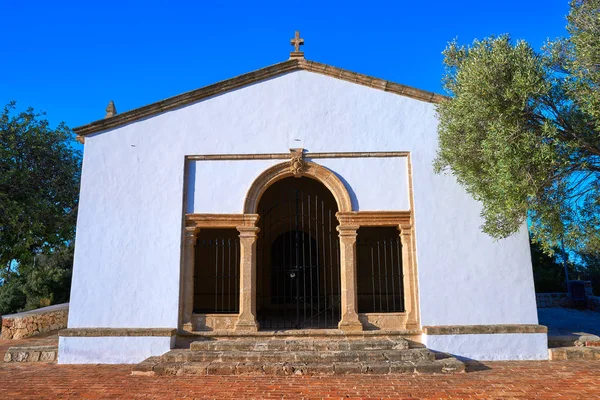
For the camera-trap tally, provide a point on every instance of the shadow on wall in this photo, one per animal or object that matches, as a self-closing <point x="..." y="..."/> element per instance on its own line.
<point x="353" y="198"/>
<point x="191" y="186"/>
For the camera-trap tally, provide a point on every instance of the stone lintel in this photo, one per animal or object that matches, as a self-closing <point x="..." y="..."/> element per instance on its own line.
<point x="483" y="329"/>
<point x="106" y="332"/>
<point x="221" y="220"/>
<point x="307" y="155"/>
<point x="374" y="218"/>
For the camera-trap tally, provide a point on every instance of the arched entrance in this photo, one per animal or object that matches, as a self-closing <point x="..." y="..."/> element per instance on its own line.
<point x="298" y="256"/>
<point x="297" y="219"/>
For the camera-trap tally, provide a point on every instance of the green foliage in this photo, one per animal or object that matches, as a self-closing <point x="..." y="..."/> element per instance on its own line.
<point x="39" y="185"/>
<point x="45" y="281"/>
<point x="12" y="297"/>
<point x="521" y="131"/>
<point x="48" y="278"/>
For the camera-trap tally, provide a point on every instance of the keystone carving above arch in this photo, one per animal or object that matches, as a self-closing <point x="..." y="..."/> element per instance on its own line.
<point x="308" y="169"/>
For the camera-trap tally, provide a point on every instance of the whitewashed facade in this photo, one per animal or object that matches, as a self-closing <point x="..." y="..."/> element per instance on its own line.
<point x="141" y="177"/>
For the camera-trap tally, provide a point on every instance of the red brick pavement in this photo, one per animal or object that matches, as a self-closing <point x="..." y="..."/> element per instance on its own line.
<point x="494" y="380"/>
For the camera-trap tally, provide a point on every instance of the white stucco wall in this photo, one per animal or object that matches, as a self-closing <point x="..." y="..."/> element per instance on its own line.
<point x="111" y="350"/>
<point x="128" y="245"/>
<point x="491" y="347"/>
<point x="227" y="193"/>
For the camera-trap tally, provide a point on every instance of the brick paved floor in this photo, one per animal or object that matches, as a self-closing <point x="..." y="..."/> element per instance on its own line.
<point x="525" y="380"/>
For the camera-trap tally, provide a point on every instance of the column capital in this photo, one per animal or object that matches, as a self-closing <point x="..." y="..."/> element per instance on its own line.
<point x="405" y="229"/>
<point x="248" y="231"/>
<point x="347" y="231"/>
<point x="190" y="233"/>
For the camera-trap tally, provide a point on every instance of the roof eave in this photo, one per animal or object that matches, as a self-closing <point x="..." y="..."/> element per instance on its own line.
<point x="250" y="78"/>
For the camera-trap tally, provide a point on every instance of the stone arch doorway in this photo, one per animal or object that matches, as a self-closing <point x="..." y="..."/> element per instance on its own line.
<point x="298" y="256"/>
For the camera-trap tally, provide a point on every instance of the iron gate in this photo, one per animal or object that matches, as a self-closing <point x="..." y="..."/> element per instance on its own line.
<point x="379" y="270"/>
<point x="298" y="262"/>
<point x="217" y="272"/>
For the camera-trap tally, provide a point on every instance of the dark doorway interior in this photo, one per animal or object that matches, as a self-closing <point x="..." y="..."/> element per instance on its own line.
<point x="298" y="272"/>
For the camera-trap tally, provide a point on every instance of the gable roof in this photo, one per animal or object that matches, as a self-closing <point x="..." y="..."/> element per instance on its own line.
<point x="294" y="64"/>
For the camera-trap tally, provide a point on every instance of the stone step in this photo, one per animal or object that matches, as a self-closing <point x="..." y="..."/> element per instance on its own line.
<point x="414" y="355"/>
<point x="155" y="366"/>
<point x="299" y="344"/>
<point x="27" y="354"/>
<point x="574" y="353"/>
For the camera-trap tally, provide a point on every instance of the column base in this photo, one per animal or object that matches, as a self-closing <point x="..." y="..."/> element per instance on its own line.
<point x="187" y="327"/>
<point x="413" y="326"/>
<point x="246" y="326"/>
<point x="350" y="325"/>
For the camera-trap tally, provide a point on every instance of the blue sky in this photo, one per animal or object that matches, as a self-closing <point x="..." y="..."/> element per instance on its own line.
<point x="69" y="58"/>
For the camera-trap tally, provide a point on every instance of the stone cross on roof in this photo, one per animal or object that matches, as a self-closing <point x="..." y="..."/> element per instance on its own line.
<point x="297" y="41"/>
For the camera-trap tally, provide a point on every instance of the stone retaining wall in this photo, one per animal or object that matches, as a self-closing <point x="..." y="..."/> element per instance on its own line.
<point x="546" y="300"/>
<point x="31" y="354"/>
<point x="29" y="323"/>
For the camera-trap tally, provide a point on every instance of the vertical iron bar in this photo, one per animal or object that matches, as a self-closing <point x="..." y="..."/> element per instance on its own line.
<point x="298" y="259"/>
<point x="392" y="274"/>
<point x="236" y="285"/>
<point x="400" y="274"/>
<point x="216" y="275"/>
<point x="310" y="280"/>
<point x="387" y="299"/>
<point x="373" y="276"/>
<point x="275" y="274"/>
<point x="379" y="272"/>
<point x="324" y="268"/>
<point x="317" y="261"/>
<point x="292" y="216"/>
<point x="229" y="275"/>
<point x="222" y="274"/>
<point x="332" y="302"/>
<point x="262" y="242"/>
<point x="338" y="272"/>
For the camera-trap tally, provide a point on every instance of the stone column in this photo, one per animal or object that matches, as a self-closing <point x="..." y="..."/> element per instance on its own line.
<point x="247" y="318"/>
<point x="349" y="320"/>
<point x="189" y="258"/>
<point x="410" y="277"/>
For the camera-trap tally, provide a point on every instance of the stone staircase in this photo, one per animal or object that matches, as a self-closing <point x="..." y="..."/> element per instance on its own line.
<point x="303" y="355"/>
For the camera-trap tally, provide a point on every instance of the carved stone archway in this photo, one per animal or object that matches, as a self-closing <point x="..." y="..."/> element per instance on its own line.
<point x="297" y="167"/>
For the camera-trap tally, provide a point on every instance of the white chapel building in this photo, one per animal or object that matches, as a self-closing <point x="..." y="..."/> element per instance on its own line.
<point x="300" y="197"/>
